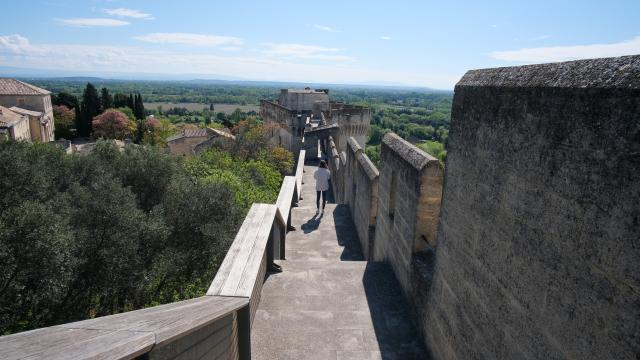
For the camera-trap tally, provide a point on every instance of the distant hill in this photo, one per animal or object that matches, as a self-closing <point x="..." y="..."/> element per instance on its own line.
<point x="99" y="77"/>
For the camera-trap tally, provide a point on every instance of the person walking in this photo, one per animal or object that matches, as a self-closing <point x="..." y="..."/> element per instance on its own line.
<point x="322" y="176"/>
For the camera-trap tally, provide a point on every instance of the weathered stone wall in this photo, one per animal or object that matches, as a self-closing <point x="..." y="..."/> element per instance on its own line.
<point x="337" y="166"/>
<point x="21" y="130"/>
<point x="408" y="204"/>
<point x="41" y="103"/>
<point x="361" y="194"/>
<point x="538" y="251"/>
<point x="287" y="128"/>
<point x="304" y="100"/>
<point x="354" y="121"/>
<point x="365" y="208"/>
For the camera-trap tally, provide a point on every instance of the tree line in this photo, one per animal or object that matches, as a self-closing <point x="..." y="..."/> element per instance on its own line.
<point x="91" y="105"/>
<point x="115" y="230"/>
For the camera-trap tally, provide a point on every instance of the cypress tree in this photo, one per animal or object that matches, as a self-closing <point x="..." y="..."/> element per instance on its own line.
<point x="90" y="108"/>
<point x="138" y="110"/>
<point x="120" y="100"/>
<point x="130" y="103"/>
<point x="105" y="99"/>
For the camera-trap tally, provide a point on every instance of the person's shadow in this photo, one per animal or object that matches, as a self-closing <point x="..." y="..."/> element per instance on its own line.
<point x="312" y="224"/>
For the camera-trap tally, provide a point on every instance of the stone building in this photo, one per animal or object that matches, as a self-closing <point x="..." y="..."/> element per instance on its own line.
<point x="303" y="116"/>
<point x="32" y="102"/>
<point x="13" y="126"/>
<point x="191" y="141"/>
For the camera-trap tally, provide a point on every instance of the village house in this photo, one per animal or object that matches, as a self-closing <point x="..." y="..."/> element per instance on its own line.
<point x="192" y="141"/>
<point x="27" y="102"/>
<point x="13" y="126"/>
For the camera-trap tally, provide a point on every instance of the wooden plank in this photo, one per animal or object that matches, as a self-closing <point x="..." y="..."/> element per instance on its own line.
<point x="238" y="245"/>
<point x="251" y="267"/>
<point x="299" y="172"/>
<point x="197" y="345"/>
<point x="238" y="273"/>
<point x="237" y="264"/>
<point x="285" y="197"/>
<point x="168" y="322"/>
<point x="61" y="343"/>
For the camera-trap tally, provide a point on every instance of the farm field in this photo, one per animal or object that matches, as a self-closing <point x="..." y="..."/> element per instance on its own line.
<point x="191" y="106"/>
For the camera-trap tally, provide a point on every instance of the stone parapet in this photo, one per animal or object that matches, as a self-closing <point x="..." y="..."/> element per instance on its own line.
<point x="537" y="254"/>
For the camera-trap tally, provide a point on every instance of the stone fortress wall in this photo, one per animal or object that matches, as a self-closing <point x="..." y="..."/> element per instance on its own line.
<point x="298" y="111"/>
<point x="534" y="251"/>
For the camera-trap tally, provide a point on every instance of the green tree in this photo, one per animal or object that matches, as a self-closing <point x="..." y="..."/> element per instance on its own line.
<point x="131" y="103"/>
<point x="65" y="120"/>
<point x="120" y="100"/>
<point x="89" y="109"/>
<point x="105" y="99"/>
<point x="65" y="99"/>
<point x="236" y="116"/>
<point x="138" y="107"/>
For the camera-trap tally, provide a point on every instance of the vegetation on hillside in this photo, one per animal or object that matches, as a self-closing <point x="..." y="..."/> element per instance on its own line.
<point x="112" y="231"/>
<point x="427" y="129"/>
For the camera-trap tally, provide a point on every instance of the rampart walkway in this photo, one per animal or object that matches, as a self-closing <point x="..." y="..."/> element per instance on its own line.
<point x="328" y="303"/>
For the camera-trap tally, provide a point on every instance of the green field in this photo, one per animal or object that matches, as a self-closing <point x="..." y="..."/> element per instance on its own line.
<point x="191" y="106"/>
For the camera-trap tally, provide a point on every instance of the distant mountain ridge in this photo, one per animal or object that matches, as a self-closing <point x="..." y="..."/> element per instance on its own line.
<point x="98" y="77"/>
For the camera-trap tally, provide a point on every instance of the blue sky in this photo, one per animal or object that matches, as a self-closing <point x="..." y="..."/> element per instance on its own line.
<point x="425" y="43"/>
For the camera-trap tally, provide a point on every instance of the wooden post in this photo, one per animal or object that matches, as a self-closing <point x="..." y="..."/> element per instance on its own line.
<point x="244" y="333"/>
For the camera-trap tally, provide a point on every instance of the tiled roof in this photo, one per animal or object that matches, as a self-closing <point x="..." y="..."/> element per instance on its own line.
<point x="10" y="86"/>
<point x="25" y="111"/>
<point x="187" y="133"/>
<point x="8" y="117"/>
<point x="206" y="132"/>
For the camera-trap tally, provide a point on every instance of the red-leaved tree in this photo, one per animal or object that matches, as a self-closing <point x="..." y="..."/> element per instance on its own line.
<point x="64" y="119"/>
<point x="112" y="124"/>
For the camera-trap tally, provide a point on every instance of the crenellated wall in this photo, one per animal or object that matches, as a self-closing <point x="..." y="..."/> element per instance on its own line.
<point x="395" y="209"/>
<point x="409" y="194"/>
<point x="534" y="252"/>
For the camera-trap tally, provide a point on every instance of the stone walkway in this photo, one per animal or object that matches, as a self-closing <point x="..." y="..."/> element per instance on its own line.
<point x="328" y="303"/>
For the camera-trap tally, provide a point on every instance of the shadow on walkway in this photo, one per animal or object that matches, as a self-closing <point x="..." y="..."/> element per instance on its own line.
<point x="392" y="323"/>
<point x="312" y="224"/>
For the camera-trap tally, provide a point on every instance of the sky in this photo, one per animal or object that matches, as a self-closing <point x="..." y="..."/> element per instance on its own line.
<point x="418" y="43"/>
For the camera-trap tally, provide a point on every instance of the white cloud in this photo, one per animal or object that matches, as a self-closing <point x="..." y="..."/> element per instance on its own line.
<point x="494" y="25"/>
<point x="385" y="37"/>
<point x="191" y="39"/>
<point x="18" y="51"/>
<point x="14" y="43"/>
<point x="91" y="22"/>
<point x="563" y="53"/>
<point x="131" y="13"/>
<point x="300" y="51"/>
<point x="325" y="28"/>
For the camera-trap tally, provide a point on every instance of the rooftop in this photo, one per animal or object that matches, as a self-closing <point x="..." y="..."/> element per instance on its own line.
<point x="10" y="86"/>
<point x="22" y="111"/>
<point x="8" y="118"/>
<point x="189" y="133"/>
<point x="306" y="91"/>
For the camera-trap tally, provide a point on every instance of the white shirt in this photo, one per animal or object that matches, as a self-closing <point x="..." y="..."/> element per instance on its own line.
<point x="322" y="177"/>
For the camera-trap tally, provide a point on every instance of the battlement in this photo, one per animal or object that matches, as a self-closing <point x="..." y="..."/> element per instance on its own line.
<point x="297" y="111"/>
<point x="526" y="247"/>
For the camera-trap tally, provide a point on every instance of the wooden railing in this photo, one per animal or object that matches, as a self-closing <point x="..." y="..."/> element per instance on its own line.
<point x="299" y="172"/>
<point x="217" y="325"/>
